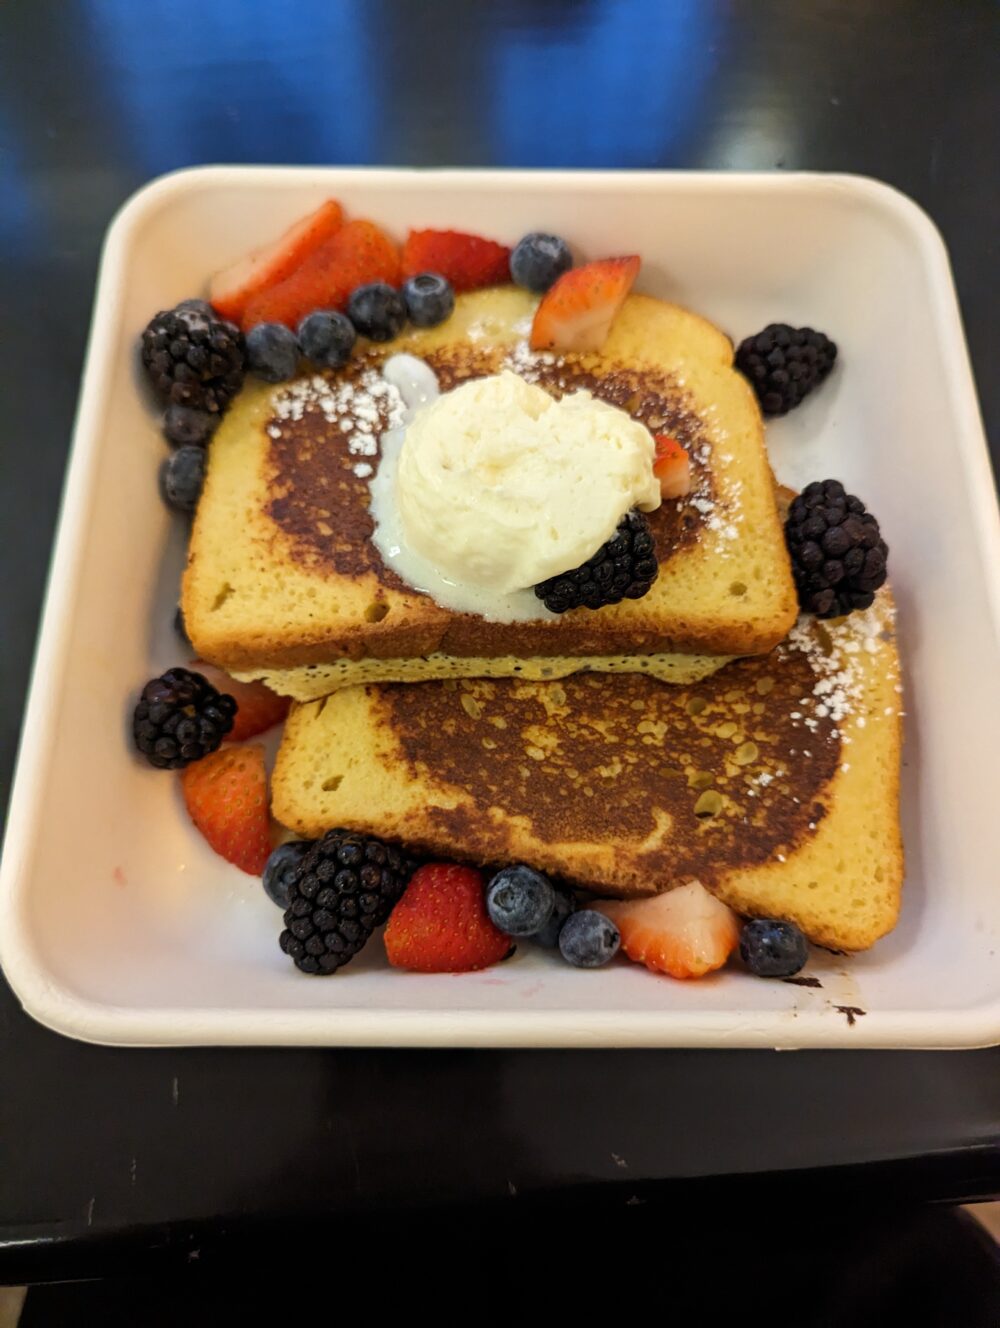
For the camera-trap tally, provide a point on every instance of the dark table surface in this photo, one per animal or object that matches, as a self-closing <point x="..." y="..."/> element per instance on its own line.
<point x="108" y="1156"/>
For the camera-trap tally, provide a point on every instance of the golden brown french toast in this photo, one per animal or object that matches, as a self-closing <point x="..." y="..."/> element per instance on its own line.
<point x="773" y="782"/>
<point x="282" y="572"/>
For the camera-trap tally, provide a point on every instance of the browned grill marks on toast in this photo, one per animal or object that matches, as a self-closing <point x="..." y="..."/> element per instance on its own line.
<point x="320" y="505"/>
<point x="317" y="501"/>
<point x="607" y="759"/>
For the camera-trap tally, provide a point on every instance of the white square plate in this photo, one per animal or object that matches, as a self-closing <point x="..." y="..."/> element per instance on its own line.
<point x="119" y="924"/>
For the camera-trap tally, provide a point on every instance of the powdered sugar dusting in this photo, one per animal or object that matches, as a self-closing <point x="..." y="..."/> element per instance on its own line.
<point x="835" y="652"/>
<point x="359" y="404"/>
<point x="723" y="512"/>
<point x="528" y="363"/>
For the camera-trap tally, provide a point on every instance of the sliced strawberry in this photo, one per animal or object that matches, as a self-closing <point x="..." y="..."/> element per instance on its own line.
<point x="231" y="290"/>
<point x="686" y="932"/>
<point x="257" y="707"/>
<point x="468" y="261"/>
<point x="672" y="467"/>
<point x="441" y="925"/>
<point x="226" y="797"/>
<point x="577" y="312"/>
<point x="358" y="253"/>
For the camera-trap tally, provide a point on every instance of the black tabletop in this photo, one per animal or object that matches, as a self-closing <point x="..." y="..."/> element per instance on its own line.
<point x="109" y="1154"/>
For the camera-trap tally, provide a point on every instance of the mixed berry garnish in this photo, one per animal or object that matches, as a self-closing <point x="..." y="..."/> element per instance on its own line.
<point x="305" y="300"/>
<point x="194" y="358"/>
<point x="837" y="550"/>
<point x="624" y="567"/>
<point x="179" y="718"/>
<point x="339" y="891"/>
<point x="784" y="364"/>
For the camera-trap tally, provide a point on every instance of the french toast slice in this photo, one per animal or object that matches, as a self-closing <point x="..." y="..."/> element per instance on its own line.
<point x="282" y="572"/>
<point x="774" y="782"/>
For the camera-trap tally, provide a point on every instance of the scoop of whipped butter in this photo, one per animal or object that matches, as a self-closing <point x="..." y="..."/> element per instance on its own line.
<point x="499" y="485"/>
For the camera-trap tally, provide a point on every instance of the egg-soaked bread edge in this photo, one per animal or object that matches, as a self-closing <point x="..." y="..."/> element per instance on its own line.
<point x="314" y="681"/>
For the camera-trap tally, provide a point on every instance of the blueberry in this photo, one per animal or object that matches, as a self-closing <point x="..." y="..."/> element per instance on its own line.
<point x="773" y="949"/>
<point x="429" y="299"/>
<point x="180" y="627"/>
<point x="327" y="338"/>
<point x="377" y="311"/>
<point x="520" y="900"/>
<point x="272" y="352"/>
<point x="181" y="478"/>
<point x="588" y="939"/>
<point x="280" y="870"/>
<point x="539" y="260"/>
<point x="564" y="905"/>
<point x="185" y="427"/>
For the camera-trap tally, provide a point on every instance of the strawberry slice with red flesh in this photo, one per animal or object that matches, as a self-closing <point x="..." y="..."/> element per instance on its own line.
<point x="232" y="289"/>
<point x="469" y="262"/>
<point x="577" y="312"/>
<point x="685" y="933"/>
<point x="226" y="797"/>
<point x="257" y="707"/>
<point x="440" y="925"/>
<point x="672" y="467"/>
<point x="358" y="253"/>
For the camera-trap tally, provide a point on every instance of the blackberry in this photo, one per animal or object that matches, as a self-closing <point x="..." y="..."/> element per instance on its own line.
<point x="784" y="364"/>
<point x="179" y="718"/>
<point x="624" y="567"/>
<point x="343" y="888"/>
<point x="202" y="306"/>
<point x="193" y="358"/>
<point x="838" y="555"/>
